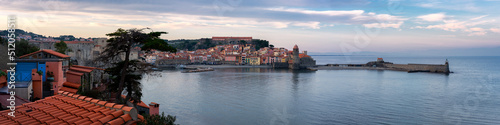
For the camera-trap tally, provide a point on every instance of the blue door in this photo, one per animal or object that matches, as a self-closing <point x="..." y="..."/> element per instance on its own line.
<point x="41" y="66"/>
<point x="23" y="70"/>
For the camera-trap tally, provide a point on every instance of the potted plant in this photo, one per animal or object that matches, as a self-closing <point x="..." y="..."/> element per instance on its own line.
<point x="50" y="76"/>
<point x="40" y="72"/>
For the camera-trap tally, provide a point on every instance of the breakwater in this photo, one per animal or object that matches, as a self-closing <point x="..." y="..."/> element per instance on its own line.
<point x="380" y="64"/>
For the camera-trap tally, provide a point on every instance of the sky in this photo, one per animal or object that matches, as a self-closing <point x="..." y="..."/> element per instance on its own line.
<point x="431" y="27"/>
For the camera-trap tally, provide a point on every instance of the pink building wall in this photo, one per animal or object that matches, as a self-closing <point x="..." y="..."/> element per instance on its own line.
<point x="56" y="68"/>
<point x="154" y="108"/>
<point x="36" y="84"/>
<point x="230" y="58"/>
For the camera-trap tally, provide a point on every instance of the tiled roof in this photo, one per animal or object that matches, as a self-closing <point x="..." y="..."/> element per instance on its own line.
<point x="80" y="69"/>
<point x="5" y="97"/>
<point x="70" y="87"/>
<point x="47" y="51"/>
<point x="74" y="73"/>
<point x="303" y="55"/>
<point x="67" y="108"/>
<point x="84" y="67"/>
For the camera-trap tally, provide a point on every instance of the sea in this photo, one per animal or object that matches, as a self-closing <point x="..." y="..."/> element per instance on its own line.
<point x="250" y="96"/>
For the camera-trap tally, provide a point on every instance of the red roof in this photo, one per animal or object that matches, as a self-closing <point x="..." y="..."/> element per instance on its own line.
<point x="84" y="67"/>
<point x="47" y="51"/>
<point x="4" y="97"/>
<point x="74" y="73"/>
<point x="303" y="55"/>
<point x="75" y="42"/>
<point x="70" y="87"/>
<point x="67" y="108"/>
<point x="80" y="69"/>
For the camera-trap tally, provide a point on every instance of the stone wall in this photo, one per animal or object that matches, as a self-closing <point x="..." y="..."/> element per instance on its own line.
<point x="280" y="65"/>
<point x="419" y="67"/>
<point x="82" y="52"/>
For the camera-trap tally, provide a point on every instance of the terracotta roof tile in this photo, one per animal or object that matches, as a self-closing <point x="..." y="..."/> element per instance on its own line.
<point x="74" y="73"/>
<point x="71" y="85"/>
<point x="118" y="106"/>
<point x="102" y="103"/>
<point x="117" y="121"/>
<point x="126" y="117"/>
<point x="47" y="51"/>
<point x="110" y="105"/>
<point x="106" y="119"/>
<point x="69" y="108"/>
<point x="81" y="69"/>
<point x="126" y="108"/>
<point x="117" y="113"/>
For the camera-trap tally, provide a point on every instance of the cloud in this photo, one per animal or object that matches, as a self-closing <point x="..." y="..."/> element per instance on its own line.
<point x="338" y="16"/>
<point x="433" y="17"/>
<point x="469" y="26"/>
<point x="460" y="5"/>
<point x="477" y="18"/>
<point x="326" y="13"/>
<point x="495" y="30"/>
<point x="383" y="25"/>
<point x="312" y="25"/>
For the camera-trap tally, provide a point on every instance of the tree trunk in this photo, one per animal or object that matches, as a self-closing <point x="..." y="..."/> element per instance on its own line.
<point x="124" y="73"/>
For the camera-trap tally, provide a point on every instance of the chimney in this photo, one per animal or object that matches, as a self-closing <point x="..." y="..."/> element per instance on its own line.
<point x="305" y="52"/>
<point x="154" y="108"/>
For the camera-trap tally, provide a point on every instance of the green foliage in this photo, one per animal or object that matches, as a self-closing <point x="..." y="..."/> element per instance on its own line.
<point x="96" y="94"/>
<point x="2" y="73"/>
<point x="260" y="44"/>
<point x="61" y="47"/>
<point x="124" y="73"/>
<point x="50" y="74"/>
<point x="158" y="120"/>
<point x="243" y="42"/>
<point x="205" y="45"/>
<point x="40" y="72"/>
<point x="271" y="46"/>
<point x="131" y="83"/>
<point x="158" y="44"/>
<point x="24" y="48"/>
<point x="186" y="44"/>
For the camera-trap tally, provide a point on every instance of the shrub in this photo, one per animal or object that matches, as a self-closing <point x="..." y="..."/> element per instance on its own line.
<point x="158" y="120"/>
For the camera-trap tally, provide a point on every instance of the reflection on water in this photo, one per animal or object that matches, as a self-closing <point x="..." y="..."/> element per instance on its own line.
<point x="281" y="96"/>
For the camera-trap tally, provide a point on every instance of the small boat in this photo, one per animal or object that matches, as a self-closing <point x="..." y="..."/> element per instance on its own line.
<point x="199" y="70"/>
<point x="180" y="66"/>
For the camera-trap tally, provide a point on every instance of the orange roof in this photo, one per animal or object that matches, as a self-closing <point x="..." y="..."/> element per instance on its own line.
<point x="70" y="87"/>
<point x="67" y="108"/>
<point x="303" y="55"/>
<point x="74" y="73"/>
<point x="80" y="69"/>
<point x="47" y="51"/>
<point x="85" y="67"/>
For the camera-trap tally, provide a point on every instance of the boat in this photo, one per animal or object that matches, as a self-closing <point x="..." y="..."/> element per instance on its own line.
<point x="180" y="66"/>
<point x="199" y="70"/>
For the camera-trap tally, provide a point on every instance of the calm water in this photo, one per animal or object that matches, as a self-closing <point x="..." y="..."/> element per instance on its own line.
<point x="267" y="96"/>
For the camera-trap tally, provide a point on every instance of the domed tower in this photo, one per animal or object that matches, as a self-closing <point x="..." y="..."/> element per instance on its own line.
<point x="296" y="59"/>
